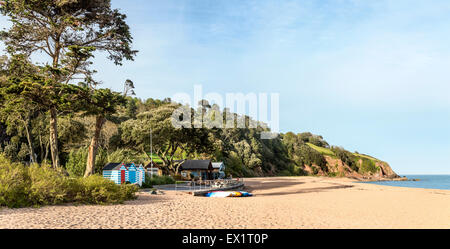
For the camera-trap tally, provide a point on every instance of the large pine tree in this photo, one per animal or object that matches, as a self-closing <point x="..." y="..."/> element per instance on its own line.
<point x="68" y="32"/>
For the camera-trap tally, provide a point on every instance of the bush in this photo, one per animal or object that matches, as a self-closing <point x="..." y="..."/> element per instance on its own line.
<point x="77" y="160"/>
<point x="48" y="186"/>
<point x="315" y="170"/>
<point x="309" y="156"/>
<point x="346" y="157"/>
<point x="285" y="173"/>
<point x="157" y="180"/>
<point x="36" y="185"/>
<point x="368" y="165"/>
<point x="14" y="184"/>
<point x="98" y="190"/>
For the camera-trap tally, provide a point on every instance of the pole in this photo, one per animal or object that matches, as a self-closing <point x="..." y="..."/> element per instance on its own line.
<point x="151" y="153"/>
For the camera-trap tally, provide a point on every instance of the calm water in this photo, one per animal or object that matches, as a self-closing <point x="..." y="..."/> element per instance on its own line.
<point x="426" y="181"/>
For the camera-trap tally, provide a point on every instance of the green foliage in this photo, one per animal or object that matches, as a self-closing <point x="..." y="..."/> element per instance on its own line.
<point x="35" y="185"/>
<point x="14" y="184"/>
<point x="367" y="166"/>
<point x="69" y="32"/>
<point x="309" y="149"/>
<point x="324" y="151"/>
<point x="365" y="156"/>
<point x="302" y="152"/>
<point x="285" y="173"/>
<point x="311" y="157"/>
<point x="76" y="163"/>
<point x="97" y="190"/>
<point x="315" y="170"/>
<point x="91" y="23"/>
<point x="131" y="108"/>
<point x="316" y="140"/>
<point x="123" y="156"/>
<point x="167" y="139"/>
<point x="157" y="180"/>
<point x="77" y="159"/>
<point x="48" y="186"/>
<point x="346" y="157"/>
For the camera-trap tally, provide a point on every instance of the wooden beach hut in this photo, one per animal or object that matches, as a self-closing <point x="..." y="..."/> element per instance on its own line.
<point x="196" y="168"/>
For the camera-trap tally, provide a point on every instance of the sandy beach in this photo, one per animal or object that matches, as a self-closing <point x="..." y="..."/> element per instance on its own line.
<point x="281" y="202"/>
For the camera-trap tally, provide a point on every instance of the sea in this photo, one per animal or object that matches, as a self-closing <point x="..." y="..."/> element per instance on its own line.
<point x="425" y="181"/>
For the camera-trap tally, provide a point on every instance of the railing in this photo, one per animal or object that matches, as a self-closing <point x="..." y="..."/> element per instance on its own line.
<point x="206" y="184"/>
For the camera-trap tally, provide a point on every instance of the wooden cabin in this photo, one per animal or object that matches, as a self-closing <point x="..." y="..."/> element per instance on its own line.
<point x="121" y="173"/>
<point x="153" y="170"/>
<point x="196" y="168"/>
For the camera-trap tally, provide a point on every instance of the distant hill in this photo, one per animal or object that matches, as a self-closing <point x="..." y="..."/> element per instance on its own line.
<point x="314" y="156"/>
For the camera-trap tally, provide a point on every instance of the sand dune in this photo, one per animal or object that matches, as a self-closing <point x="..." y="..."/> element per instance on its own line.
<point x="281" y="202"/>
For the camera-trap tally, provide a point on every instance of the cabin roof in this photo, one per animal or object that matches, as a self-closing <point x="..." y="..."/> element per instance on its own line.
<point x="155" y="165"/>
<point x="195" y="165"/>
<point x="112" y="166"/>
<point x="117" y="166"/>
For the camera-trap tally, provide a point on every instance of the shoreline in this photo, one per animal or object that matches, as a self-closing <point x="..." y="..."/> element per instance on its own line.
<point x="278" y="202"/>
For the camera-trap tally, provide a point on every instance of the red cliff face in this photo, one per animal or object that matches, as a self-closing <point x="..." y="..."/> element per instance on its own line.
<point x="337" y="168"/>
<point x="386" y="170"/>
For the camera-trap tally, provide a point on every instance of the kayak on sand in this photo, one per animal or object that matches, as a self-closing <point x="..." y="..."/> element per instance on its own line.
<point x="224" y="194"/>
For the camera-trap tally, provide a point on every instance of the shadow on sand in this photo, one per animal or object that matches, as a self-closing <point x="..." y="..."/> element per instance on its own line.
<point x="307" y="190"/>
<point x="270" y="185"/>
<point x="259" y="186"/>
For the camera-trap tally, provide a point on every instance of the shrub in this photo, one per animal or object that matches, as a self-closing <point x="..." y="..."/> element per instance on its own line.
<point x="76" y="163"/>
<point x="124" y="155"/>
<point x="98" y="190"/>
<point x="346" y="157"/>
<point x="36" y="185"/>
<point x="48" y="186"/>
<point x="309" y="156"/>
<point x="315" y="170"/>
<point x="285" y="173"/>
<point x="157" y="180"/>
<point x="77" y="160"/>
<point x="332" y="174"/>
<point x="367" y="165"/>
<point x="14" y="184"/>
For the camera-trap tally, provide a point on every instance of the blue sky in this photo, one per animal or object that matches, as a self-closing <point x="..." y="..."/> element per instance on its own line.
<point x="370" y="76"/>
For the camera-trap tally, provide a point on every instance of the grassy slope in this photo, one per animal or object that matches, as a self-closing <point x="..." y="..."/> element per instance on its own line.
<point x="366" y="156"/>
<point x="322" y="150"/>
<point x="157" y="159"/>
<point x="328" y="152"/>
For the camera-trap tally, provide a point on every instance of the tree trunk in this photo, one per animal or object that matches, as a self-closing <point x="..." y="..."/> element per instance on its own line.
<point x="54" y="138"/>
<point x="100" y="120"/>
<point x="41" y="146"/>
<point x="30" y="141"/>
<point x="46" y="152"/>
<point x="178" y="167"/>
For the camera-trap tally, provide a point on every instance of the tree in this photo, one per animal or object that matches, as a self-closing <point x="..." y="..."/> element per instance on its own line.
<point x="68" y="32"/>
<point x="131" y="108"/>
<point x="167" y="140"/>
<point x="46" y="95"/>
<point x="17" y="112"/>
<point x="102" y="104"/>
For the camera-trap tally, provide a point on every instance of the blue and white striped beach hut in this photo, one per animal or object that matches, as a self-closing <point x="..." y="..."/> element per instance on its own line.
<point x="121" y="173"/>
<point x="140" y="172"/>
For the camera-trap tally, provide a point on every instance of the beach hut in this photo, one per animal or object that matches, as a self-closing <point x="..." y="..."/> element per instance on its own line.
<point x="196" y="168"/>
<point x="153" y="169"/>
<point x="218" y="170"/>
<point x="140" y="172"/>
<point x="121" y="173"/>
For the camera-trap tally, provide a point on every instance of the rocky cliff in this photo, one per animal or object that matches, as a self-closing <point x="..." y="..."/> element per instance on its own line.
<point x="336" y="167"/>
